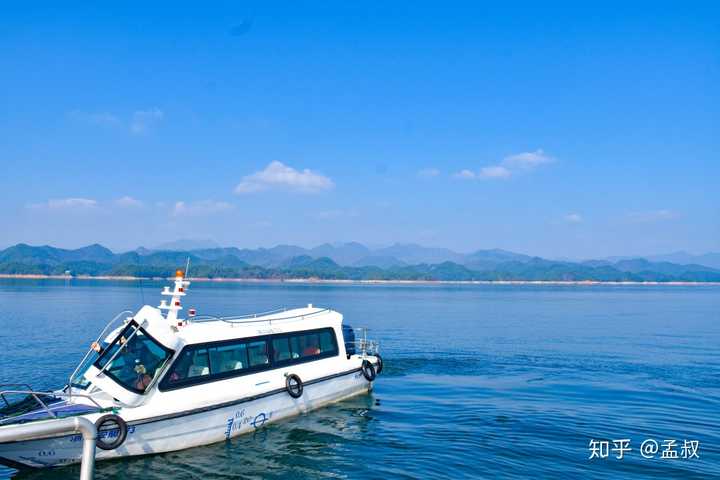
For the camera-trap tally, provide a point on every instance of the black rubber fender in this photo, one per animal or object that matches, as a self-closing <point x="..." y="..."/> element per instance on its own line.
<point x="294" y="385"/>
<point x="368" y="371"/>
<point x="110" y="422"/>
<point x="379" y="364"/>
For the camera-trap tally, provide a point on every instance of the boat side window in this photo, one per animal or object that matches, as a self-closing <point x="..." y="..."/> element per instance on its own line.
<point x="229" y="358"/>
<point x="281" y="349"/>
<point x="191" y="363"/>
<point x="349" y="336"/>
<point x="257" y="351"/>
<point x="182" y="366"/>
<point x="204" y="363"/>
<point x="327" y="341"/>
<point x="295" y="346"/>
<point x="304" y="346"/>
<point x="310" y="345"/>
<point x="200" y="364"/>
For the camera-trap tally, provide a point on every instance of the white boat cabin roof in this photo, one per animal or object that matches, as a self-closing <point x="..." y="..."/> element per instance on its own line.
<point x="204" y="330"/>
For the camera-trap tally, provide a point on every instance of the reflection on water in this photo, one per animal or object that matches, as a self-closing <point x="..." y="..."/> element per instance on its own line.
<point x="480" y="381"/>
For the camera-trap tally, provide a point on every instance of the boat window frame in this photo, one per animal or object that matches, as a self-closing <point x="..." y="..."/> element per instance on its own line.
<point x="106" y="371"/>
<point x="164" y="385"/>
<point x="308" y="358"/>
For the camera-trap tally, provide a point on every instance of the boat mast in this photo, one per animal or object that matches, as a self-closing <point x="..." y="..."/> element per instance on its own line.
<point x="176" y="294"/>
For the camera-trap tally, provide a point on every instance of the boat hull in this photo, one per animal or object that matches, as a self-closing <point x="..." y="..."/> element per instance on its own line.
<point x="201" y="426"/>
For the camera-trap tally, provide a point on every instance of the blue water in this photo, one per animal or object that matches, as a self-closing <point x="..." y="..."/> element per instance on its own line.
<point x="481" y="381"/>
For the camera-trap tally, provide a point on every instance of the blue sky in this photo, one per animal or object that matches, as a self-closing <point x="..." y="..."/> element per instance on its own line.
<point x="561" y="130"/>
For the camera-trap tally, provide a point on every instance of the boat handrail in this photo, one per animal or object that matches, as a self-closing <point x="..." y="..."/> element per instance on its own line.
<point x="259" y="314"/>
<point x="36" y="394"/>
<point x="256" y="317"/>
<point x="211" y="318"/>
<point x="90" y="350"/>
<point x="363" y="345"/>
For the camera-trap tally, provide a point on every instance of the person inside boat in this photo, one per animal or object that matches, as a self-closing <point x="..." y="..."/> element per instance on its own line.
<point x="190" y="364"/>
<point x="141" y="356"/>
<point x="180" y="370"/>
<point x="137" y="361"/>
<point x="312" y="345"/>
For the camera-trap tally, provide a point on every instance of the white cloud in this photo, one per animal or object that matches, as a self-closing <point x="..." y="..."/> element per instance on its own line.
<point x="143" y="120"/>
<point x="509" y="166"/>
<point x="279" y="176"/>
<point x="428" y="173"/>
<point x="573" y="218"/>
<point x="652" y="216"/>
<point x="496" y="171"/>
<point x="466" y="174"/>
<point x="203" y="207"/>
<point x="66" y="204"/>
<point x="128" y="202"/>
<point x="527" y="160"/>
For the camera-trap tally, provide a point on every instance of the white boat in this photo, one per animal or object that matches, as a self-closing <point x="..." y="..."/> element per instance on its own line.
<point x="158" y="382"/>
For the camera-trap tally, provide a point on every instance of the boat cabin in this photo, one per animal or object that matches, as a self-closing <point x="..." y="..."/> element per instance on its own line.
<point x="154" y="352"/>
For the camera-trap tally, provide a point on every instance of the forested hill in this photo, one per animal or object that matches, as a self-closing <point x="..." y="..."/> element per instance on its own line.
<point x="351" y="262"/>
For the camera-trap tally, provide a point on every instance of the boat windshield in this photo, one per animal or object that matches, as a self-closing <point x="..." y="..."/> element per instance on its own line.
<point x="134" y="358"/>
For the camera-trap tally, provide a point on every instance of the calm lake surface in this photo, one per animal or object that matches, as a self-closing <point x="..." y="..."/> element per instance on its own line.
<point x="481" y="381"/>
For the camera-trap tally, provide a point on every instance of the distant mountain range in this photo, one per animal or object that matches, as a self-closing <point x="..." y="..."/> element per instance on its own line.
<point x="351" y="261"/>
<point x="353" y="254"/>
<point x="711" y="260"/>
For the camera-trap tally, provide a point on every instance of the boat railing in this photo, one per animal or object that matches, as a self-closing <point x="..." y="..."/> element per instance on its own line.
<point x="213" y="318"/>
<point x="91" y="350"/>
<point x="37" y="395"/>
<point x="255" y="317"/>
<point x="362" y="345"/>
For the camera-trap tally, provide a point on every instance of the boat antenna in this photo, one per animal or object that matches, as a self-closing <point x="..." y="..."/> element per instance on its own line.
<point x="187" y="267"/>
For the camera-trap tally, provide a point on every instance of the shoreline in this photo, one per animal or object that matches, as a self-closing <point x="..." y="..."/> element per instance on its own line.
<point x="338" y="281"/>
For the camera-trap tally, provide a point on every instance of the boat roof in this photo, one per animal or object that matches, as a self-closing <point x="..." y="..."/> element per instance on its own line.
<point x="210" y="329"/>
